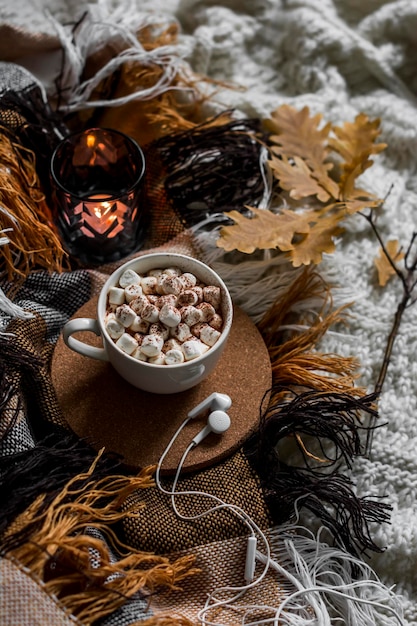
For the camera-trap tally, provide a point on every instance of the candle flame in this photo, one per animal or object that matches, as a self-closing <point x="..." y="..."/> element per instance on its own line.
<point x="102" y="209"/>
<point x="91" y="140"/>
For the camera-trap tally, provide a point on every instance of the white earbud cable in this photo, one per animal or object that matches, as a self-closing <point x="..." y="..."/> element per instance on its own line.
<point x="312" y="607"/>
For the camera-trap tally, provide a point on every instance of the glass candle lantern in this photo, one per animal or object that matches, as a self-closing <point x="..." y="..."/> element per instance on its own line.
<point x="97" y="193"/>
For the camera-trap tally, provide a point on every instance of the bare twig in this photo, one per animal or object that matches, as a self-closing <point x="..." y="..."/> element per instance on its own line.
<point x="409" y="282"/>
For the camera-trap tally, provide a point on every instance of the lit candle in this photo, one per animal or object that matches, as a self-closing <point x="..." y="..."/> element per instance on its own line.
<point x="102" y="218"/>
<point x="97" y="177"/>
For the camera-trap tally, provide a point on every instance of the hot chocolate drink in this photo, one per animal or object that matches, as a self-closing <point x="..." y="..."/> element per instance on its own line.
<point x="165" y="316"/>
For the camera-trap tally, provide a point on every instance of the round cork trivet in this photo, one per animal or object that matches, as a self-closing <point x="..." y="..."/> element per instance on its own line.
<point x="103" y="408"/>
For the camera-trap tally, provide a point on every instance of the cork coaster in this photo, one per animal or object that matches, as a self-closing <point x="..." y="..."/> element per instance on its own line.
<point x="103" y="408"/>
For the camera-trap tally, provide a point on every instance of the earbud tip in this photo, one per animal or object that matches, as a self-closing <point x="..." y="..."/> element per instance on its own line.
<point x="219" y="422"/>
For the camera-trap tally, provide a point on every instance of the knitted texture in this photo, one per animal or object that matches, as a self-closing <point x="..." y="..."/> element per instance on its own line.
<point x="339" y="58"/>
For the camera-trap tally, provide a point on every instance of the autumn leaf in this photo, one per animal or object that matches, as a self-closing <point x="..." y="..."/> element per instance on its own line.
<point x="318" y="240"/>
<point x="264" y="231"/>
<point x="355" y="141"/>
<point x="298" y="179"/>
<point x="303" y="152"/>
<point x="296" y="136"/>
<point x="296" y="133"/>
<point x="383" y="265"/>
<point x="354" y="198"/>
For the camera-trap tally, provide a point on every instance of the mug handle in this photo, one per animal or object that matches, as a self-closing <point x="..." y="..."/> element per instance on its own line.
<point x="80" y="324"/>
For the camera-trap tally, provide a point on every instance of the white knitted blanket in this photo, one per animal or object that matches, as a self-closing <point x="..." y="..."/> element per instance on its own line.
<point x="339" y="57"/>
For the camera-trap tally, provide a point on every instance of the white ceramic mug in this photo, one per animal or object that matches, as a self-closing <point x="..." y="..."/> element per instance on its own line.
<point x="161" y="379"/>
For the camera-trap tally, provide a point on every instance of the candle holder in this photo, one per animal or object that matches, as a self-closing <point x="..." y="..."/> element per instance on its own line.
<point x="97" y="185"/>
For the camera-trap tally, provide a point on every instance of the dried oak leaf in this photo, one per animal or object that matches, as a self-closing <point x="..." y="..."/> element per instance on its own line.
<point x="297" y="136"/>
<point x="296" y="133"/>
<point x="318" y="240"/>
<point x="297" y="178"/>
<point x="353" y="198"/>
<point x="302" y="157"/>
<point x="383" y="265"/>
<point x="263" y="231"/>
<point x="355" y="141"/>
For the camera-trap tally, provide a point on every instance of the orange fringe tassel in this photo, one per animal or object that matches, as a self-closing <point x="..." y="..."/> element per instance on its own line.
<point x="25" y="218"/>
<point x="60" y="551"/>
<point x="294" y="359"/>
<point x="177" y="109"/>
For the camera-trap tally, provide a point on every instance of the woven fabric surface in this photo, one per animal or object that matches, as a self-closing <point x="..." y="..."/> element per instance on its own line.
<point x="340" y="58"/>
<point x="23" y="601"/>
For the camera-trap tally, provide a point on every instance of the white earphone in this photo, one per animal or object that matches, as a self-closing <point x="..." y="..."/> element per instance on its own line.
<point x="215" y="401"/>
<point x="218" y="420"/>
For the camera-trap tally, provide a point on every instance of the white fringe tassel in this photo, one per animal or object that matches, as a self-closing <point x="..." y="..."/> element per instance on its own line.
<point x="322" y="586"/>
<point x="324" y="583"/>
<point x="6" y="305"/>
<point x="101" y="26"/>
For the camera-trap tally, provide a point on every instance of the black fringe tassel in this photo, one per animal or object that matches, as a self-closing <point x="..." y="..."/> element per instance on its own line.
<point x="312" y="481"/>
<point x="45" y="470"/>
<point x="213" y="168"/>
<point x="26" y="116"/>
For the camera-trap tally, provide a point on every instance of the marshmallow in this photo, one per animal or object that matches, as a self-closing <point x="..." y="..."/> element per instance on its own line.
<point x="125" y="315"/>
<point x="207" y="310"/>
<point x="168" y="298"/>
<point x="197" y="328"/>
<point x="159" y="329"/>
<point x="188" y="298"/>
<point x="153" y="299"/>
<point x="170" y="284"/>
<point x="172" y="271"/>
<point x="155" y="272"/>
<point x="132" y="292"/>
<point x="188" y="280"/>
<point x="150" y="313"/>
<point x="171" y="344"/>
<point x="216" y="321"/>
<point x="127" y="343"/>
<point x="129" y="277"/>
<point x="139" y="338"/>
<point x="138" y="303"/>
<point x="152" y="344"/>
<point x="181" y="332"/>
<point x="139" y="325"/>
<point x="199" y="291"/>
<point x="113" y="327"/>
<point x="209" y="335"/>
<point x="192" y="349"/>
<point x="169" y="315"/>
<point x="116" y="295"/>
<point x="139" y="355"/>
<point x="190" y="315"/>
<point x="173" y="357"/>
<point x="148" y="284"/>
<point x="212" y="295"/>
<point x="159" y="359"/>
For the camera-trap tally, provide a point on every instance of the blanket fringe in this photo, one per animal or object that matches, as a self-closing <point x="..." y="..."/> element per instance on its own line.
<point x="76" y="565"/>
<point x="26" y="217"/>
<point x="215" y="166"/>
<point x="292" y="328"/>
<point x="328" y="584"/>
<point x="318" y="583"/>
<point x="102" y="29"/>
<point x="297" y="452"/>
